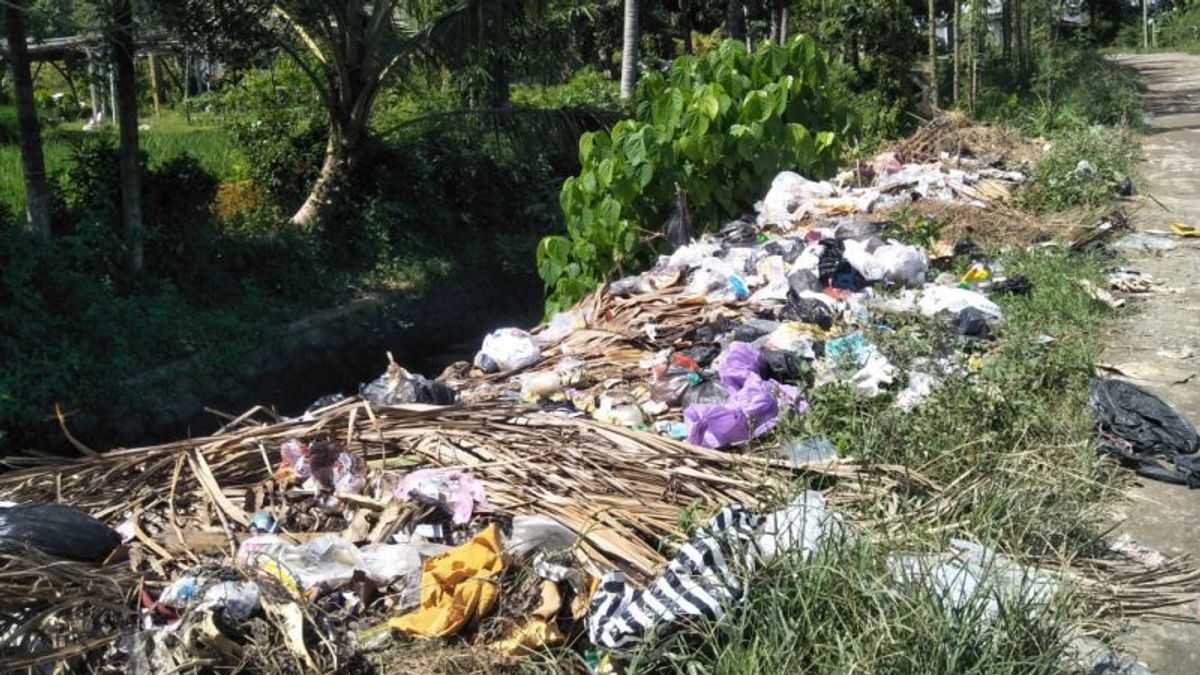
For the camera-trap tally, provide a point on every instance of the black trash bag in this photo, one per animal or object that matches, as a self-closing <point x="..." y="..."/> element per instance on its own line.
<point x="678" y="228"/>
<point x="1144" y="432"/>
<point x="397" y="386"/>
<point x="788" y="249"/>
<point x="832" y="263"/>
<point x="740" y="231"/>
<point x="1125" y="187"/>
<point x="965" y="248"/>
<point x="1017" y="285"/>
<point x="324" y="402"/>
<point x="807" y="310"/>
<point x="782" y="366"/>
<point x="57" y="530"/>
<point x="707" y="390"/>
<point x="972" y="323"/>
<point x="804" y="280"/>
<point x="754" y="329"/>
<point x="703" y="354"/>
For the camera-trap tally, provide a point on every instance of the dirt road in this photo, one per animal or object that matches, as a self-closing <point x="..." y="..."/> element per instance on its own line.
<point x="1156" y="342"/>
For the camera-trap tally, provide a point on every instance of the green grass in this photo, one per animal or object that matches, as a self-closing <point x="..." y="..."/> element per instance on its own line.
<point x="167" y="136"/>
<point x="1009" y="438"/>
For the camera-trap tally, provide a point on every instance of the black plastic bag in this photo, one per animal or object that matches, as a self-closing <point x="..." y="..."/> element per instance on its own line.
<point x="405" y="387"/>
<point x="740" y="231"/>
<point x="754" y="329"/>
<point x="973" y="323"/>
<point x="57" y="530"/>
<point x="1144" y="432"/>
<point x="787" y="367"/>
<point x="1017" y="285"/>
<point x="707" y="390"/>
<point x="807" y="310"/>
<point x="702" y="354"/>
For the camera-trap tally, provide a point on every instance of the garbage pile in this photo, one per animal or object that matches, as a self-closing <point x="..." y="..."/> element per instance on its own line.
<point x="531" y="498"/>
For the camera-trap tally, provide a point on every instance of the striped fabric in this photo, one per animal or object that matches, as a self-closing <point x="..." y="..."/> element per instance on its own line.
<point x="705" y="578"/>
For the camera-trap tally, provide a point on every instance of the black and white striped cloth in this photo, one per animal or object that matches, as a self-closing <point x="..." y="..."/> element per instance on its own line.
<point x="708" y="575"/>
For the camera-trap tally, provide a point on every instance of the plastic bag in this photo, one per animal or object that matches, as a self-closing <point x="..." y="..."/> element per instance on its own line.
<point x="329" y="561"/>
<point x="397" y="386"/>
<point x="973" y="323"/>
<point x="459" y="491"/>
<point x="783" y="366"/>
<point x="950" y="300"/>
<point x="790" y="336"/>
<point x="904" y="265"/>
<point x="810" y="307"/>
<point x="533" y="534"/>
<point x="561" y="326"/>
<point x="786" y="199"/>
<point x="748" y="413"/>
<point x="1144" y="432"/>
<point x="704" y="391"/>
<point x="539" y="385"/>
<point x="57" y="530"/>
<point x="736" y="364"/>
<point x="323" y="466"/>
<point x="238" y="599"/>
<point x="808" y="451"/>
<point x="508" y="349"/>
<point x="863" y="262"/>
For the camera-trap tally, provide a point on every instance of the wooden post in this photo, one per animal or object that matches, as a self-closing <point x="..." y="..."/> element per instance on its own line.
<point x="156" y="83"/>
<point x="112" y="93"/>
<point x="97" y="111"/>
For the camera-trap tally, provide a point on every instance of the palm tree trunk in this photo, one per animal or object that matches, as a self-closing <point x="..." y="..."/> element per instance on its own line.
<point x="29" y="135"/>
<point x="332" y="168"/>
<point x="629" y="55"/>
<point x="957" y="42"/>
<point x="933" y="69"/>
<point x="127" y="122"/>
<point x="735" y="19"/>
<point x="685" y="25"/>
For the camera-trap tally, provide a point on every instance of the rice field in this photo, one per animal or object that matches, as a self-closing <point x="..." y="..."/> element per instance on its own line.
<point x="162" y="138"/>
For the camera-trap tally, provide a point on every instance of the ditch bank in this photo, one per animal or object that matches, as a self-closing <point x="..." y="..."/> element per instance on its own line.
<point x="334" y="350"/>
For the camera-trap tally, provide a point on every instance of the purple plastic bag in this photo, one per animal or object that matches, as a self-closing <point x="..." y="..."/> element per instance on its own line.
<point x="751" y="411"/>
<point x="739" y="362"/>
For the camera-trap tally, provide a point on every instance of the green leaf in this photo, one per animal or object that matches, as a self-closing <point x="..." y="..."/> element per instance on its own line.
<point x="604" y="173"/>
<point x="587" y="143"/>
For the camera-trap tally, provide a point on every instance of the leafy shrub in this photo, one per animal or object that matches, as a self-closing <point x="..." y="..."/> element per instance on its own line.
<point x="1070" y="87"/>
<point x="1180" y="30"/>
<point x="587" y="88"/>
<point x="182" y="241"/>
<point x="719" y="126"/>
<point x="279" y="123"/>
<point x="1061" y="182"/>
<point x="8" y="124"/>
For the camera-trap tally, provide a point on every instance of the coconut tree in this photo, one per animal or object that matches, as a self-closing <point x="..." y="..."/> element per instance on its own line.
<point x="629" y="53"/>
<point x="29" y="136"/>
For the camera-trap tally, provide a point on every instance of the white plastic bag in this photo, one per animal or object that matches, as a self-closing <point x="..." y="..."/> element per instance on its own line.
<point x="561" y="326"/>
<point x="785" y="201"/>
<point x="508" y="349"/>
<point x="328" y="561"/>
<point x="863" y="262"/>
<point x="951" y="300"/>
<point x="904" y="265"/>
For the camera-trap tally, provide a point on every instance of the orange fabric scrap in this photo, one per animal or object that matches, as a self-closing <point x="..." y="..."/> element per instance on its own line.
<point x="456" y="587"/>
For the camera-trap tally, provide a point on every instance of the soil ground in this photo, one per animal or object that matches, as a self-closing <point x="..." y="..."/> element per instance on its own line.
<point x="1156" y="341"/>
